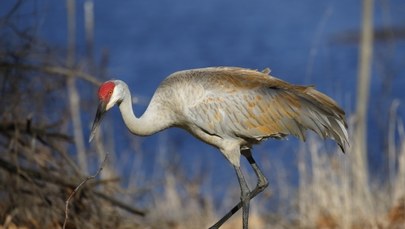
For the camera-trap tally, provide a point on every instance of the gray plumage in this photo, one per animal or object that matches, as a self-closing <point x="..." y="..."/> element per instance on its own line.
<point x="231" y="109"/>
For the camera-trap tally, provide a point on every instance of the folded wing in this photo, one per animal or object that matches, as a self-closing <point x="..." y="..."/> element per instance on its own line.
<point x="252" y="105"/>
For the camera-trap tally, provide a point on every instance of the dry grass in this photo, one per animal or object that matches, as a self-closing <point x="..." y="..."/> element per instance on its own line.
<point x="327" y="198"/>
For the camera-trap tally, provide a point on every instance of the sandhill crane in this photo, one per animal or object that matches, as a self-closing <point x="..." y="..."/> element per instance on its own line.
<point x="231" y="109"/>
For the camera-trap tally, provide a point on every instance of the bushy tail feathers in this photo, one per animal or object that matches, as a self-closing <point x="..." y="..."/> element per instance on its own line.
<point x="325" y="117"/>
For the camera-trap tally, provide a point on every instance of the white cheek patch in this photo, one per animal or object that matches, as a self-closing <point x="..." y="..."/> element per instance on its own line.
<point x="112" y="101"/>
<point x="109" y="105"/>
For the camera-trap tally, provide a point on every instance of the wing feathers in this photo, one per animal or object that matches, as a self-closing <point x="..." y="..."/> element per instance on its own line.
<point x="294" y="111"/>
<point x="253" y="105"/>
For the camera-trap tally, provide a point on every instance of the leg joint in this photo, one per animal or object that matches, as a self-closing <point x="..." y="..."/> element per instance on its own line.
<point x="263" y="183"/>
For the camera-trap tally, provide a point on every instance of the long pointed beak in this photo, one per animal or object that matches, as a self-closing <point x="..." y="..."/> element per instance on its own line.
<point x="97" y="120"/>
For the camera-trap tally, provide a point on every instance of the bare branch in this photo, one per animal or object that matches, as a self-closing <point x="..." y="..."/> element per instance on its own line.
<point x="78" y="187"/>
<point x="124" y="206"/>
<point x="48" y="177"/>
<point x="34" y="131"/>
<point x="11" y="12"/>
<point x="55" y="70"/>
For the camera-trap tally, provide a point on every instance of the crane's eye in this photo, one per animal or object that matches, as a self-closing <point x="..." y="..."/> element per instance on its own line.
<point x="110" y="93"/>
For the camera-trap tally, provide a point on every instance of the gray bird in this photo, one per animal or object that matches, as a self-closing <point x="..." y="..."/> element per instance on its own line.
<point x="231" y="109"/>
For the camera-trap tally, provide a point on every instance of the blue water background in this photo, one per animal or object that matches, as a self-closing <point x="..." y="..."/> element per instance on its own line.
<point x="148" y="40"/>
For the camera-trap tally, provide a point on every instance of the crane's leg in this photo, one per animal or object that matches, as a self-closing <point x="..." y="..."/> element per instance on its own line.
<point x="262" y="183"/>
<point x="244" y="197"/>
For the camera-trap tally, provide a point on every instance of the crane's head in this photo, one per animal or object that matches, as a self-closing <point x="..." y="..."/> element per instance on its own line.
<point x="109" y="94"/>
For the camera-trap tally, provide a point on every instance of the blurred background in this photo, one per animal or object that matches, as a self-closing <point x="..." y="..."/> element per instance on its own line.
<point x="55" y="54"/>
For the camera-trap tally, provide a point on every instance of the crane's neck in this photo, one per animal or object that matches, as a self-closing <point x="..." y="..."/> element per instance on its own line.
<point x="149" y="123"/>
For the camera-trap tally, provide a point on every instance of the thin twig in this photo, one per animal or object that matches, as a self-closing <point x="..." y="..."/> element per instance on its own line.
<point x="78" y="187"/>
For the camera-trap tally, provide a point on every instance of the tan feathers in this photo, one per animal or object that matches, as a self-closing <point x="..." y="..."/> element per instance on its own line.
<point x="253" y="105"/>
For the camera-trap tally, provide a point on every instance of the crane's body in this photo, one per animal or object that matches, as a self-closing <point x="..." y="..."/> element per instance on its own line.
<point x="231" y="109"/>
